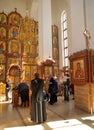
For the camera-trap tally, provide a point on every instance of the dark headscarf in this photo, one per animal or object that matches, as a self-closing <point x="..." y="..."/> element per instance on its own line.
<point x="52" y="80"/>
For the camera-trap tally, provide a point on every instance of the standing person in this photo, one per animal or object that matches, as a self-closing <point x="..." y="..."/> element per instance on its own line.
<point x="7" y="90"/>
<point x="52" y="91"/>
<point x="57" y="89"/>
<point x="38" y="113"/>
<point x="66" y="84"/>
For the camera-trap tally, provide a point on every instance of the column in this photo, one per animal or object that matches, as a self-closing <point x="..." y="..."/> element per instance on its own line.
<point x="45" y="30"/>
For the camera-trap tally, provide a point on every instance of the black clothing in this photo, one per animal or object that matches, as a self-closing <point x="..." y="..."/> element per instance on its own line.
<point x="38" y="113"/>
<point x="66" y="85"/>
<point x="52" y="90"/>
<point x="22" y="86"/>
<point x="23" y="90"/>
<point x="7" y="90"/>
<point x="46" y="96"/>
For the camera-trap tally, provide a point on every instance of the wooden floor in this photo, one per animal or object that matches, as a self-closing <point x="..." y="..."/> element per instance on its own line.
<point x="60" y="116"/>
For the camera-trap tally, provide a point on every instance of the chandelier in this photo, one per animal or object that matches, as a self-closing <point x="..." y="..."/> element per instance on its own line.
<point x="26" y="29"/>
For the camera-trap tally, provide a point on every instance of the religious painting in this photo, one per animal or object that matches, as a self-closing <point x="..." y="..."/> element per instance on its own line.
<point x="56" y="62"/>
<point x="30" y="50"/>
<point x="14" y="19"/>
<point x="55" y="53"/>
<point x="2" y="58"/>
<point x="3" y="18"/>
<point x="55" y="42"/>
<point x="33" y="60"/>
<point x="54" y="30"/>
<point x="26" y="49"/>
<point x="2" y="46"/>
<point x="13" y="32"/>
<point x="2" y="33"/>
<point x="55" y="50"/>
<point x="26" y="72"/>
<point x="2" y="91"/>
<point x="2" y="72"/>
<point x="78" y="69"/>
<point x="34" y="69"/>
<point x="14" y="71"/>
<point x="14" y="47"/>
<point x="48" y="71"/>
<point x="33" y="50"/>
<point x="92" y="64"/>
<point x="29" y="60"/>
<point x="14" y="61"/>
<point x="55" y="71"/>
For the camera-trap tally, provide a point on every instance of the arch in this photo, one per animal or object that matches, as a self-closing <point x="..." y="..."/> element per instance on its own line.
<point x="64" y="41"/>
<point x="14" y="70"/>
<point x="14" y="74"/>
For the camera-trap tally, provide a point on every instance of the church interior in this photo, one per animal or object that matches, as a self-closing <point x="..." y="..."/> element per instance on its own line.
<point x="52" y="38"/>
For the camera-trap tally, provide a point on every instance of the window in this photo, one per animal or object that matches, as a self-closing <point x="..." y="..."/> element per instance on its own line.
<point x="64" y="38"/>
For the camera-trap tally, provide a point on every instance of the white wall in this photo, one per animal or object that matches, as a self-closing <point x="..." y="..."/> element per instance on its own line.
<point x="10" y="5"/>
<point x="57" y="8"/>
<point x="74" y="9"/>
<point x="77" y="25"/>
<point x="90" y="20"/>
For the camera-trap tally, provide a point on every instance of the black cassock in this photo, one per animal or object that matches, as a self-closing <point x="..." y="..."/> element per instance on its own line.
<point x="38" y="107"/>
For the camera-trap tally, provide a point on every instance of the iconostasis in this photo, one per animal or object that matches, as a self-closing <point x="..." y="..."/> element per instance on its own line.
<point x="19" y="48"/>
<point x="17" y="53"/>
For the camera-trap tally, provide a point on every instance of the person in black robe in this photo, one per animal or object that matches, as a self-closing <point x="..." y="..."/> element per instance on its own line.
<point x="38" y="107"/>
<point x="52" y="90"/>
<point x="23" y="90"/>
<point x="7" y="90"/>
<point x="66" y="85"/>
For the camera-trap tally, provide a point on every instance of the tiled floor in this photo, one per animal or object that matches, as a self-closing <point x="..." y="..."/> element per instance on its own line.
<point x="61" y="115"/>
